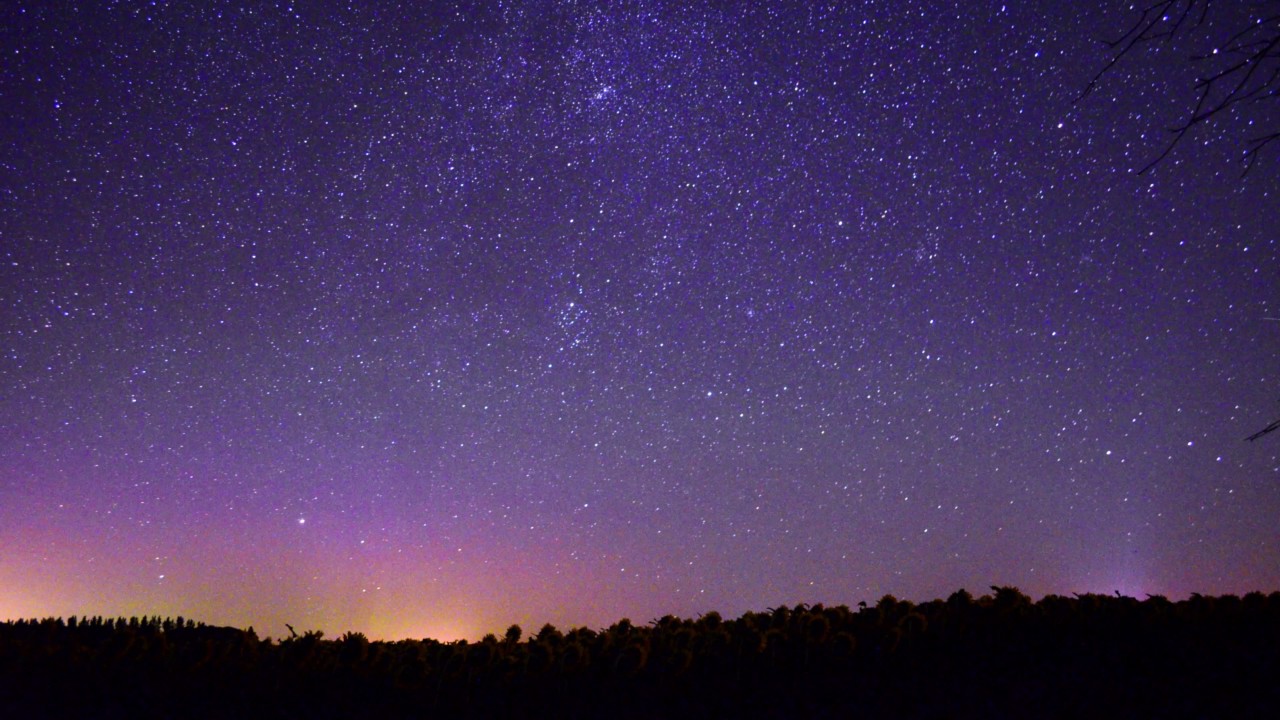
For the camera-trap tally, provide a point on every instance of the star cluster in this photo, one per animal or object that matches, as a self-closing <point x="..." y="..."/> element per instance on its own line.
<point x="422" y="319"/>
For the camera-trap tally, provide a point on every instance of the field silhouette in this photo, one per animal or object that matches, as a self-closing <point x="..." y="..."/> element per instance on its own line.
<point x="999" y="655"/>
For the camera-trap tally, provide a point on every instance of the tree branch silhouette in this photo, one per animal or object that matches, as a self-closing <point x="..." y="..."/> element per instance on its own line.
<point x="1270" y="428"/>
<point x="1244" y="68"/>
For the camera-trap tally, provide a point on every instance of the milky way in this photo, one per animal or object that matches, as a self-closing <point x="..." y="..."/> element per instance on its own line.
<point x="423" y="321"/>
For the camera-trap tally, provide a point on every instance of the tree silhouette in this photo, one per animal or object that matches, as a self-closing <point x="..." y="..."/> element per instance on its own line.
<point x="1238" y="66"/>
<point x="998" y="655"/>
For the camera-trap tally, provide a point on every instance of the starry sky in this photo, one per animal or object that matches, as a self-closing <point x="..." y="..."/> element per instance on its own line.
<point x="422" y="319"/>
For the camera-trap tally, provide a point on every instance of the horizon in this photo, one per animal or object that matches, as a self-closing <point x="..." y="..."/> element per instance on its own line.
<point x="478" y="632"/>
<point x="528" y="632"/>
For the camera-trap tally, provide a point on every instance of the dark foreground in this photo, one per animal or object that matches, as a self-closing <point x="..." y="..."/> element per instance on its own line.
<point x="996" y="656"/>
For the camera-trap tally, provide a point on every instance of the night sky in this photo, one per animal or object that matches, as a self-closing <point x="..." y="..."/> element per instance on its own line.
<point x="424" y="319"/>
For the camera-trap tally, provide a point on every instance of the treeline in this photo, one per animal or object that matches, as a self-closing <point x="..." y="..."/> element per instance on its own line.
<point x="1000" y="655"/>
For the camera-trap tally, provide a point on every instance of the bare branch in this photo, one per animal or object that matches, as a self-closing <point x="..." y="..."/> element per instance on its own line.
<point x="1245" y="68"/>
<point x="1255" y="147"/>
<point x="1142" y="31"/>
<point x="1270" y="428"/>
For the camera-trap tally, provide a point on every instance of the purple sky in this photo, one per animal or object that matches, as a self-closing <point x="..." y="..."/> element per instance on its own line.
<point x="425" y="322"/>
